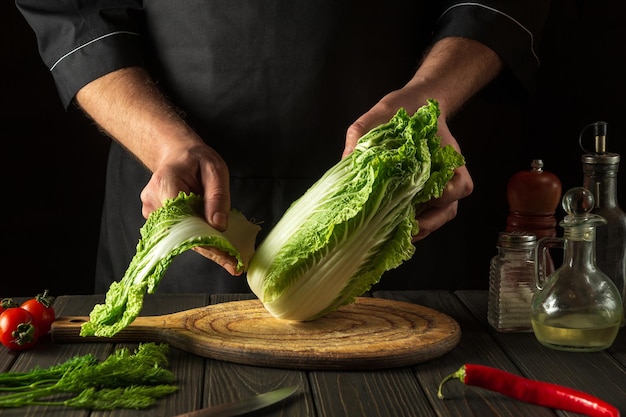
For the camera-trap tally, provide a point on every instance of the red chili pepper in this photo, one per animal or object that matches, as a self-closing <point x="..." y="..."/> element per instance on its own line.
<point x="531" y="391"/>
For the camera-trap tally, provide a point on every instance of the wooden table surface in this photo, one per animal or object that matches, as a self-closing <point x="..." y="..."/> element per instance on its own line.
<point x="406" y="391"/>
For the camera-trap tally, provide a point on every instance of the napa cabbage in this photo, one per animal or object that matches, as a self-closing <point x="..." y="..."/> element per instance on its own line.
<point x="175" y="227"/>
<point x="356" y="222"/>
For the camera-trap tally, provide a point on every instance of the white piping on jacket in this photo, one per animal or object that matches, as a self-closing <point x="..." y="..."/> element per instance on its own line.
<point x="89" y="43"/>
<point x="532" y="39"/>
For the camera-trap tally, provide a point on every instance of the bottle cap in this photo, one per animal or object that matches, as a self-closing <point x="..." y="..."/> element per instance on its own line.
<point x="578" y="203"/>
<point x="599" y="155"/>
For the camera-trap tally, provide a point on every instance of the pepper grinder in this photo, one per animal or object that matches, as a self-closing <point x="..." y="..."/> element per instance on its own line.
<point x="533" y="196"/>
<point x="600" y="177"/>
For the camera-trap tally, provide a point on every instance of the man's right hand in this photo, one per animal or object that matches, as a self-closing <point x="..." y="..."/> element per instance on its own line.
<point x="128" y="106"/>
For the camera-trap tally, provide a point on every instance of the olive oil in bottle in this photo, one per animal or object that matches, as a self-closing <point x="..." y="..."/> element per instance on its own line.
<point x="576" y="332"/>
<point x="577" y="307"/>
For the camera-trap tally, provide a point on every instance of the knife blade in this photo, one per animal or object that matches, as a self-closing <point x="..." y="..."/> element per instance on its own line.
<point x="237" y="408"/>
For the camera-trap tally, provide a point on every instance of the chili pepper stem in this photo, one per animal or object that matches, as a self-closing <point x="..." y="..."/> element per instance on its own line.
<point x="460" y="375"/>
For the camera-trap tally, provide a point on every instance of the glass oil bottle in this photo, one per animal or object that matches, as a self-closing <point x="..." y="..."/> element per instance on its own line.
<point x="600" y="177"/>
<point x="577" y="307"/>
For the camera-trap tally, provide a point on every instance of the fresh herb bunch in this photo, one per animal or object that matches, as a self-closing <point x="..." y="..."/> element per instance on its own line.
<point x="123" y="380"/>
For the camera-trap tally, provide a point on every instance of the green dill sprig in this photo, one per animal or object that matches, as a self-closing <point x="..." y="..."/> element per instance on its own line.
<point x="125" y="379"/>
<point x="16" y="381"/>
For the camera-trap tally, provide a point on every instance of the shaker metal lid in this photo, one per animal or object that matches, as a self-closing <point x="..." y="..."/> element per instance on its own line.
<point x="517" y="239"/>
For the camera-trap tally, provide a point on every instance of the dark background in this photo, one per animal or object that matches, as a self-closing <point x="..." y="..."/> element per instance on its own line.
<point x="53" y="161"/>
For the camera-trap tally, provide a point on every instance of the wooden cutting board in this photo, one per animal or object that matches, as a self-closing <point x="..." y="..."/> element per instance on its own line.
<point x="372" y="333"/>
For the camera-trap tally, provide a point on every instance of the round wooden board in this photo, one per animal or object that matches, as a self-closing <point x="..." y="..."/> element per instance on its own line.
<point x="370" y="333"/>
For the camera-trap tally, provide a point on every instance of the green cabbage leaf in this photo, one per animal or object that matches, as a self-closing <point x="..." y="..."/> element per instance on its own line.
<point x="175" y="227"/>
<point x="356" y="222"/>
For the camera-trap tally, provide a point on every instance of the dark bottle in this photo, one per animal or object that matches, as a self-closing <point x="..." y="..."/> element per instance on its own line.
<point x="600" y="177"/>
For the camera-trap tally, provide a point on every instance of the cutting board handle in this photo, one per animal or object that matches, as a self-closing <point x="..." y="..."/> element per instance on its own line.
<point x="66" y="329"/>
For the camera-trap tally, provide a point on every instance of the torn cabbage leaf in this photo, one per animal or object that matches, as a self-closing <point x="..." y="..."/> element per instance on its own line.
<point x="175" y="227"/>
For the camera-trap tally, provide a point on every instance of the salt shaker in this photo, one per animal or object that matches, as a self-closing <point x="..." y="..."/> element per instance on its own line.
<point x="512" y="282"/>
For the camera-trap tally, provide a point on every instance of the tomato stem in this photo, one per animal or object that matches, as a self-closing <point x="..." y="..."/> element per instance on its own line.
<point x="44" y="299"/>
<point x="24" y="333"/>
<point x="7" y="303"/>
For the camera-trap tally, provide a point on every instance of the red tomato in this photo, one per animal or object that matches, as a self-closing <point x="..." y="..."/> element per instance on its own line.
<point x="41" y="309"/>
<point x="17" y="330"/>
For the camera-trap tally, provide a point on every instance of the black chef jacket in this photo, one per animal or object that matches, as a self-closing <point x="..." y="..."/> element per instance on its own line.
<point x="271" y="85"/>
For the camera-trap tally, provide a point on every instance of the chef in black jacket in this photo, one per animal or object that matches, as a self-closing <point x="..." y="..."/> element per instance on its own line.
<point x="248" y="102"/>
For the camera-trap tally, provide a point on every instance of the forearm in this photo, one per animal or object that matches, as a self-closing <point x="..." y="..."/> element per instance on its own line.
<point x="454" y="70"/>
<point x="128" y="106"/>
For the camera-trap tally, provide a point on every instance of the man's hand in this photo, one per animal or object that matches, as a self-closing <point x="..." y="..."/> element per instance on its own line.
<point x="127" y="105"/>
<point x="197" y="168"/>
<point x="441" y="210"/>
<point x="452" y="72"/>
<point x="229" y="263"/>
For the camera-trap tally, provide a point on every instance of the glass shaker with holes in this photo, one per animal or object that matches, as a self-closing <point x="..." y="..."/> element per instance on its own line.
<point x="512" y="282"/>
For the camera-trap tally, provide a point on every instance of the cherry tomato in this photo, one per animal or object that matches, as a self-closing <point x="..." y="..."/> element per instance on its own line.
<point x="41" y="309"/>
<point x="17" y="330"/>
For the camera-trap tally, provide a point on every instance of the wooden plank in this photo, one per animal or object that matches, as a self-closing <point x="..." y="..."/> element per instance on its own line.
<point x="230" y="382"/>
<point x="188" y="369"/>
<point x="7" y="359"/>
<point x="393" y="392"/>
<point x="227" y="382"/>
<point x="618" y="350"/>
<point x="597" y="373"/>
<point x="46" y="354"/>
<point x="476" y="346"/>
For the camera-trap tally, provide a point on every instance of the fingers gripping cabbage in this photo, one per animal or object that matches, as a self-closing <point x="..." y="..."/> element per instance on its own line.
<point x="356" y="222"/>
<point x="170" y="230"/>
